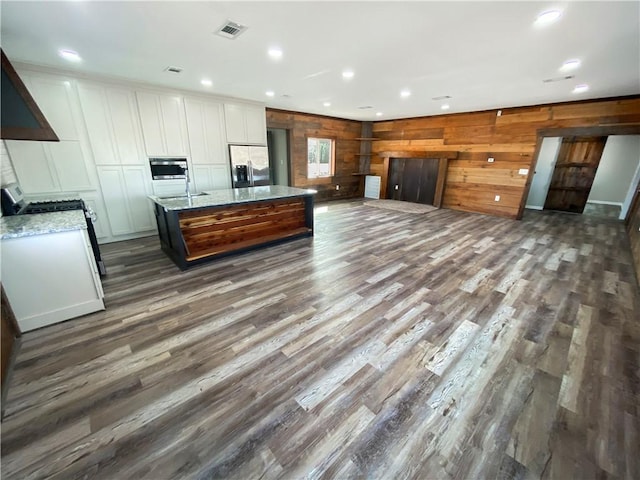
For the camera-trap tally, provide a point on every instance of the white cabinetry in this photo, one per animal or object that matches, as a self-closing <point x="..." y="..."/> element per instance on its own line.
<point x="209" y="156"/>
<point x="205" y="123"/>
<point x="245" y="123"/>
<point x="112" y="125"/>
<point x="51" y="167"/>
<point x="163" y="124"/>
<point x="50" y="278"/>
<point x="125" y="191"/>
<point x="211" y="177"/>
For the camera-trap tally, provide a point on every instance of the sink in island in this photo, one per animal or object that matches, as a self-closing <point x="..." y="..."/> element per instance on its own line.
<point x="200" y="228"/>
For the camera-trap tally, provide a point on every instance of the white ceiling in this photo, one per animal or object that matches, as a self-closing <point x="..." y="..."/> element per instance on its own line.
<point x="484" y="55"/>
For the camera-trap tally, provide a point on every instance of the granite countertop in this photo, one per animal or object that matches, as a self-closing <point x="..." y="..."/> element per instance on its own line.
<point x="17" y="226"/>
<point x="219" y="198"/>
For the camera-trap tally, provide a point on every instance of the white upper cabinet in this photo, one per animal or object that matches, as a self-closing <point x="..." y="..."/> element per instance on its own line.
<point x="54" y="96"/>
<point x="48" y="167"/>
<point x="163" y="124"/>
<point x="245" y="123"/>
<point x="112" y="125"/>
<point x="34" y="169"/>
<point x="205" y="123"/>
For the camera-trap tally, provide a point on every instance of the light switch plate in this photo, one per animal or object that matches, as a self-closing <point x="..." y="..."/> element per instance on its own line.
<point x="497" y="198"/>
<point x="523" y="171"/>
<point x="491" y="159"/>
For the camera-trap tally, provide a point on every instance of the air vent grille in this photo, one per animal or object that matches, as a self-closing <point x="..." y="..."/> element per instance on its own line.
<point x="231" y="29"/>
<point x="173" y="69"/>
<point x="558" y="79"/>
<point x="365" y="107"/>
<point x="442" y="97"/>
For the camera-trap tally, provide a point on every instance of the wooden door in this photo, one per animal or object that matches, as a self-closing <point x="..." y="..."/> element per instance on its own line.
<point x="396" y="169"/>
<point x="574" y="172"/>
<point x="413" y="179"/>
<point x="428" y="180"/>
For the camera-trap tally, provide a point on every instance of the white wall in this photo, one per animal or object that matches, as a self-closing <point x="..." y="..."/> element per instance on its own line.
<point x="544" y="171"/>
<point x="616" y="170"/>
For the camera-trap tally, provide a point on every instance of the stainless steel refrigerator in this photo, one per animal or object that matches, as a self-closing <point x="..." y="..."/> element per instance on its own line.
<point x="249" y="166"/>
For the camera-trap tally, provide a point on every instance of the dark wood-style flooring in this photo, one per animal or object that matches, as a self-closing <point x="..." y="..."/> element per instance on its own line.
<point x="392" y="345"/>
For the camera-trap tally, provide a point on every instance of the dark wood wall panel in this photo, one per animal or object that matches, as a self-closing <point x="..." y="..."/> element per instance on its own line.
<point x="345" y="132"/>
<point x="511" y="139"/>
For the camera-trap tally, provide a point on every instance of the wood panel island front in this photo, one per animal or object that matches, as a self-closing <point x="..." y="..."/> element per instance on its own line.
<point x="209" y="225"/>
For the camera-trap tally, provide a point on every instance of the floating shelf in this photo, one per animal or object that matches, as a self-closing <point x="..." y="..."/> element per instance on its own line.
<point x="360" y="174"/>
<point x="366" y="138"/>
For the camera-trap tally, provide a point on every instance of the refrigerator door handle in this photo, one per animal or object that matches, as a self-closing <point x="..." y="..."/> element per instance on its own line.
<point x="250" y="168"/>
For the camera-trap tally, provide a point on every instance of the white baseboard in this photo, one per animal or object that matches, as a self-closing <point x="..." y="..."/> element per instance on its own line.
<point x="599" y="202"/>
<point x="533" y="207"/>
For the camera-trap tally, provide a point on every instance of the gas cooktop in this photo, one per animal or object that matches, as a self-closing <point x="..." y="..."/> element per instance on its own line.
<point x="53" y="206"/>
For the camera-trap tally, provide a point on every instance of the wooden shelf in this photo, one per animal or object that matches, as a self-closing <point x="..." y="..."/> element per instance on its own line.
<point x="366" y="138"/>
<point x="360" y="174"/>
<point x="364" y="154"/>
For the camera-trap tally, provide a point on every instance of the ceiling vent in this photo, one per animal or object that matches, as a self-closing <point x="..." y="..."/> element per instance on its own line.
<point x="558" y="79"/>
<point x="365" y="107"/>
<point x="443" y="97"/>
<point x="173" y="69"/>
<point x="231" y="29"/>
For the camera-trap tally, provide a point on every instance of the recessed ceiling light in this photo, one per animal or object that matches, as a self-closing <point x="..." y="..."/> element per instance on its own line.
<point x="70" y="55"/>
<point x="327" y="104"/>
<point x="206" y="82"/>
<point x="581" y="88"/>
<point x="548" y="17"/>
<point x="269" y="93"/>
<point x="378" y="114"/>
<point x="405" y="93"/>
<point x="275" y="52"/>
<point x="570" y="65"/>
<point x="445" y="106"/>
<point x="348" y="74"/>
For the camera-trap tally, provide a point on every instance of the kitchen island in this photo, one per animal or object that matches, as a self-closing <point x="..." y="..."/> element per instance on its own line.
<point x="48" y="269"/>
<point x="200" y="228"/>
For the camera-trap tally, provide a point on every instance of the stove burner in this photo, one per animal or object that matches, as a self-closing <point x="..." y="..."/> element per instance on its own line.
<point x="53" y="206"/>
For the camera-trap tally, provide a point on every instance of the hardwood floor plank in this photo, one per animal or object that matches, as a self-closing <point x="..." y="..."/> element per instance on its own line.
<point x="389" y="345"/>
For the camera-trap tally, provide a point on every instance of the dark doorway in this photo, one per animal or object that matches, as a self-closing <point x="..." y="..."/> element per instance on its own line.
<point x="575" y="169"/>
<point x="413" y="179"/>
<point x="279" y="161"/>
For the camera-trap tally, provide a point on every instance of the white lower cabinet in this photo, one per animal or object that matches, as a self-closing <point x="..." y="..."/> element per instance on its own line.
<point x="211" y="177"/>
<point x="50" y="278"/>
<point x="125" y="191"/>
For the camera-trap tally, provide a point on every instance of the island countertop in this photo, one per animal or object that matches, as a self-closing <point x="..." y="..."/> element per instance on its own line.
<point x="233" y="196"/>
<point x="17" y="226"/>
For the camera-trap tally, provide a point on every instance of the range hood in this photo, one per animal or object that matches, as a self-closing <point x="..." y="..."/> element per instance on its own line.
<point x="21" y="119"/>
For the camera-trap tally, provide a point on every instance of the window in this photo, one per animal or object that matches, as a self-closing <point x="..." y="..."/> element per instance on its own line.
<point x="320" y="157"/>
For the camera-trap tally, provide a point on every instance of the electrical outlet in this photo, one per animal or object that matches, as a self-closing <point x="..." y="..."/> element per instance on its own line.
<point x="337" y="187"/>
<point x="491" y="159"/>
<point x="397" y="187"/>
<point x="497" y="198"/>
<point x="499" y="113"/>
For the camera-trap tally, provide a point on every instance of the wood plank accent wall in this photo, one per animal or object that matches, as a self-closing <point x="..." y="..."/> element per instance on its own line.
<point x="347" y="148"/>
<point x="512" y="139"/>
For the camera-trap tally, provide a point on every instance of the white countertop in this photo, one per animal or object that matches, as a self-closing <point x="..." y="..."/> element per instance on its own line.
<point x="17" y="226"/>
<point x="219" y="198"/>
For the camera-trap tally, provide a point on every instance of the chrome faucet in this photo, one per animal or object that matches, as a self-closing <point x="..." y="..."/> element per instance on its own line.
<point x="186" y="179"/>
